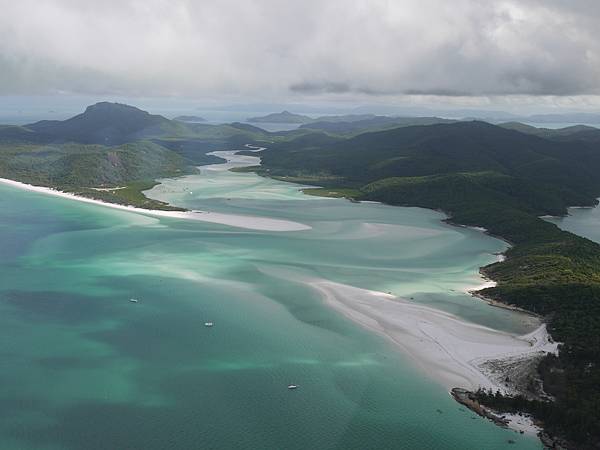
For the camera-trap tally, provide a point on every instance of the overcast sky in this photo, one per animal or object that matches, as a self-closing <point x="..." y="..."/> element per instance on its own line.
<point x="467" y="52"/>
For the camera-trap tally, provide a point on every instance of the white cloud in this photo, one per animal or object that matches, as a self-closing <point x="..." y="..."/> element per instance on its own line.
<point x="281" y="49"/>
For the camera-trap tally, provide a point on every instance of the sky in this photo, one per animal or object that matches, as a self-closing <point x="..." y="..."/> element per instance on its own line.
<point x="515" y="55"/>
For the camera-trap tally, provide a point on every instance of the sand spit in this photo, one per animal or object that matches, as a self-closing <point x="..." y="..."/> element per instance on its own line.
<point x="454" y="352"/>
<point x="234" y="220"/>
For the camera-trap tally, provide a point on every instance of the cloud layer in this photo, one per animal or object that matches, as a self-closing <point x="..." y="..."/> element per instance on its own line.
<point x="283" y="49"/>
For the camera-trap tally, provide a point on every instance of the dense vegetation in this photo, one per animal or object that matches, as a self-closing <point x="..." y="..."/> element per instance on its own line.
<point x="85" y="169"/>
<point x="107" y="124"/>
<point x="370" y="123"/>
<point x="503" y="180"/>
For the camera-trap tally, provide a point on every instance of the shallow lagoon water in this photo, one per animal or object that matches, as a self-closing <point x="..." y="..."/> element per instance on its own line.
<point x="84" y="368"/>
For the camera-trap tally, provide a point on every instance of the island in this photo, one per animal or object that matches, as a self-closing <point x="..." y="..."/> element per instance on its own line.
<point x="281" y="117"/>
<point x="113" y="152"/>
<point x="192" y="119"/>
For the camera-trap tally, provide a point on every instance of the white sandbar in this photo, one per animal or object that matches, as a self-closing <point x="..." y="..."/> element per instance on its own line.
<point x="234" y="220"/>
<point x="447" y="348"/>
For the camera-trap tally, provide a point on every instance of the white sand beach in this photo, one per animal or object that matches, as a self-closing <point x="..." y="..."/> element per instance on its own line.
<point x="484" y="285"/>
<point x="453" y="352"/>
<point x="234" y="220"/>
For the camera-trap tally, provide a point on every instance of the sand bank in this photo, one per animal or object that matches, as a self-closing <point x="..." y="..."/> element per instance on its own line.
<point x="234" y="220"/>
<point x="453" y="352"/>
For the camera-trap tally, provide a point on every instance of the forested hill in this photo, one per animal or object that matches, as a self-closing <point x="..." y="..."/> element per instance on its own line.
<point x="281" y="117"/>
<point x="349" y="126"/>
<point x="112" y="124"/>
<point x="108" y="124"/>
<point x="571" y="133"/>
<point x="503" y="180"/>
<point x="112" y="145"/>
<point x="566" y="170"/>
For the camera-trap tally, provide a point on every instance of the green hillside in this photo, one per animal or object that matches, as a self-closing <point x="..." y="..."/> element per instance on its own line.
<point x="82" y="168"/>
<point x="108" y="124"/>
<point x="112" y="145"/>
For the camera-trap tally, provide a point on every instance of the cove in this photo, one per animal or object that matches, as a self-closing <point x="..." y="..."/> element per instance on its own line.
<point x="582" y="221"/>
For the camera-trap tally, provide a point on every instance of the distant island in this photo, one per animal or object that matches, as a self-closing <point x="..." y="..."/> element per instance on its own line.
<point x="492" y="117"/>
<point x="348" y="124"/>
<point x="355" y="124"/>
<point x="193" y="119"/>
<point x="281" y="117"/>
<point x="574" y="118"/>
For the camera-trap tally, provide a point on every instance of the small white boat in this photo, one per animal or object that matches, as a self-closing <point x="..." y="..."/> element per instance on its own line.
<point x="208" y="324"/>
<point x="292" y="386"/>
<point x="133" y="300"/>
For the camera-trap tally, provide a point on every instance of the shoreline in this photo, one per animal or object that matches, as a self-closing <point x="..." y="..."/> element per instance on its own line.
<point x="450" y="350"/>
<point x="468" y="373"/>
<point x="517" y="422"/>
<point x="476" y="291"/>
<point x="498" y="304"/>
<point x="522" y="423"/>
<point x="465" y="371"/>
<point x="463" y="363"/>
<point x="239" y="221"/>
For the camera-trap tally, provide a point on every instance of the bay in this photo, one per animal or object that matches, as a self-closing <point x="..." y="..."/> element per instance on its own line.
<point x="82" y="367"/>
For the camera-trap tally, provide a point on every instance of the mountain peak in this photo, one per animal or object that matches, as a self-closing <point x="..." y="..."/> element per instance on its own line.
<point x="105" y="123"/>
<point x="113" y="107"/>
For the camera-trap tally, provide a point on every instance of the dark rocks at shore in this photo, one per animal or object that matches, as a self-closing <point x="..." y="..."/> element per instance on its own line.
<point x="469" y="399"/>
<point x="553" y="443"/>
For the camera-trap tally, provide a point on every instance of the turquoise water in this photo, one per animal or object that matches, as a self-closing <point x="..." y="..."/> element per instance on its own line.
<point x="84" y="368"/>
<point x="582" y="221"/>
